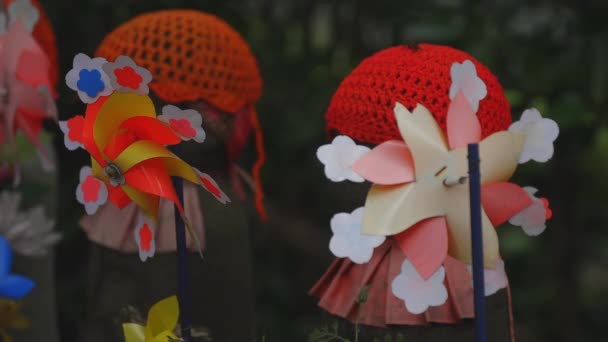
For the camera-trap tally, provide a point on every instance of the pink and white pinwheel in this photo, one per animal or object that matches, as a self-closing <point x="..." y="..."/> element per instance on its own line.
<point x="27" y="93"/>
<point x="419" y="190"/>
<point x="420" y="196"/>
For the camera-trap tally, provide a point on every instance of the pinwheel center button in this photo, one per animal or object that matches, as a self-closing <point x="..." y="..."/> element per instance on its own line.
<point x="113" y="172"/>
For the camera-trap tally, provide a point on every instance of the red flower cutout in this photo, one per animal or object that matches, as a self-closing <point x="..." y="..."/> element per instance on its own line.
<point x="183" y="127"/>
<point x="127" y="77"/>
<point x="90" y="189"/>
<point x="145" y="237"/>
<point x="76" y="127"/>
<point x="549" y="212"/>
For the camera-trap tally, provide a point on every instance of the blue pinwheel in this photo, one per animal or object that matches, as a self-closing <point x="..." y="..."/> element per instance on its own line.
<point x="11" y="286"/>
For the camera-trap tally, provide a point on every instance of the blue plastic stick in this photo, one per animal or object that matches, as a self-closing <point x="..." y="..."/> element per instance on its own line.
<point x="477" y="243"/>
<point x="182" y="261"/>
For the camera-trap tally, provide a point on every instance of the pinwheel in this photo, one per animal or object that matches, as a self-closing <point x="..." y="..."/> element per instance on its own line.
<point x="420" y="196"/>
<point x="11" y="318"/>
<point x="160" y="325"/>
<point x="11" y="286"/>
<point x="128" y="142"/>
<point x="27" y="93"/>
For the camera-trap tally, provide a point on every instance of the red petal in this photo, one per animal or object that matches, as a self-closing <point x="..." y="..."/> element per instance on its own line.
<point x="389" y="163"/>
<point x="501" y="201"/>
<point x="425" y="244"/>
<point x="151" y="176"/>
<point x="211" y="185"/>
<point x="117" y="196"/>
<point x="147" y="128"/>
<point x="33" y="69"/>
<point x="127" y="77"/>
<point x="75" y="128"/>
<point x="87" y="133"/>
<point x="90" y="189"/>
<point x="118" y="141"/>
<point x="145" y="237"/>
<point x="549" y="213"/>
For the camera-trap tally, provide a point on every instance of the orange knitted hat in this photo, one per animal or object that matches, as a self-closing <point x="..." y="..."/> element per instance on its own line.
<point x="362" y="107"/>
<point x="43" y="33"/>
<point x="194" y="56"/>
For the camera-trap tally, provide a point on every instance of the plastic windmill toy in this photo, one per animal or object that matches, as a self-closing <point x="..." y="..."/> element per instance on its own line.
<point x="27" y="78"/>
<point x="411" y="240"/>
<point x="128" y="143"/>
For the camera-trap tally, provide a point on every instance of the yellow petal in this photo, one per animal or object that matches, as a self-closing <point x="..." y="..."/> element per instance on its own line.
<point x="145" y="150"/>
<point x="97" y="171"/>
<point x="147" y="202"/>
<point x="499" y="156"/>
<point x="424" y="138"/>
<point x="459" y="227"/>
<point x="117" y="108"/>
<point x="392" y="209"/>
<point x="133" y="332"/>
<point x="163" y="316"/>
<point x="164" y="336"/>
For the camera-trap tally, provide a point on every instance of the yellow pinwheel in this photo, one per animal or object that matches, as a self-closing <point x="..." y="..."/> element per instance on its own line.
<point x="161" y="322"/>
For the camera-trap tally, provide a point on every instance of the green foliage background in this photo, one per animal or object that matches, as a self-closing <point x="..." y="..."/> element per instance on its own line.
<point x="548" y="54"/>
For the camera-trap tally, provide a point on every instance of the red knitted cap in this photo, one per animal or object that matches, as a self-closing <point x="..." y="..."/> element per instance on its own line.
<point x="362" y="107"/>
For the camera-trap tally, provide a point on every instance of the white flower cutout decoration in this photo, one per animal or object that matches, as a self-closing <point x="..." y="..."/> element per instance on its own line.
<point x="533" y="219"/>
<point x="540" y="134"/>
<point x="348" y="241"/>
<point x="67" y="140"/>
<point x="465" y="79"/>
<point x="186" y="123"/>
<point x="24" y="11"/>
<point x="493" y="279"/>
<point x="29" y="231"/>
<point x="144" y="235"/>
<point x="91" y="192"/>
<point x="126" y="76"/>
<point x="339" y="157"/>
<point x="88" y="78"/>
<point x="419" y="294"/>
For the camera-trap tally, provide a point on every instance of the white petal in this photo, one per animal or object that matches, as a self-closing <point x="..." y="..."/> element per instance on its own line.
<point x="540" y="135"/>
<point x="141" y="221"/>
<point x="348" y="241"/>
<point x="24" y="11"/>
<point x="338" y="158"/>
<point x="418" y="295"/>
<point x="532" y="219"/>
<point x="494" y="279"/>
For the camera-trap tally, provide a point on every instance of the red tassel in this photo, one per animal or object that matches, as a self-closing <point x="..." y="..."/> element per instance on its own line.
<point x="259" y="142"/>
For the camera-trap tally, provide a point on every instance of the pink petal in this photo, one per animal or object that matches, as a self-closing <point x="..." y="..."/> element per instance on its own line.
<point x="425" y="245"/>
<point x="389" y="163"/>
<point x="33" y="69"/>
<point x="501" y="201"/>
<point x="462" y="123"/>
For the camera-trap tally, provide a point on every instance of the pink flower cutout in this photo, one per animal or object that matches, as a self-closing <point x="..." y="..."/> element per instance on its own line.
<point x="91" y="192"/>
<point x="72" y="130"/>
<point x="185" y="123"/>
<point x="145" y="237"/>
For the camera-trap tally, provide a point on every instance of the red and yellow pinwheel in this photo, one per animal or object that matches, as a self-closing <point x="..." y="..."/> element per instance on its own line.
<point x="127" y="141"/>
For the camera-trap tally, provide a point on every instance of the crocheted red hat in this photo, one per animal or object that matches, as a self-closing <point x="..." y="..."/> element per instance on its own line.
<point x="362" y="107"/>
